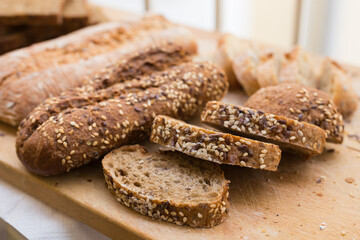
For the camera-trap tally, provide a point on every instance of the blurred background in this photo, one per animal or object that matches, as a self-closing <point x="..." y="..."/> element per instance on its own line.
<point x="326" y="27"/>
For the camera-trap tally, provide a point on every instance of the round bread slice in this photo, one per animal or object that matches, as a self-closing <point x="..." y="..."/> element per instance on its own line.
<point x="289" y="134"/>
<point x="168" y="185"/>
<point x="214" y="146"/>
<point x="302" y="103"/>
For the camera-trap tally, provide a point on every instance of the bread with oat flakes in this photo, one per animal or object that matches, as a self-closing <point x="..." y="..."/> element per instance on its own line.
<point x="289" y="134"/>
<point x="69" y="131"/>
<point x="214" y="146"/>
<point x="302" y="103"/>
<point x="193" y="193"/>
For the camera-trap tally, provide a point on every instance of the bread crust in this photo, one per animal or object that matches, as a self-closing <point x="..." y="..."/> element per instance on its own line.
<point x="336" y="81"/>
<point x="51" y="82"/>
<point x="291" y="135"/>
<point x="205" y="214"/>
<point x="214" y="146"/>
<point x="65" y="133"/>
<point x="303" y="104"/>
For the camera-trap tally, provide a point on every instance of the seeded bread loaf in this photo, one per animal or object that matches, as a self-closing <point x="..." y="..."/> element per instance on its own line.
<point x="168" y="186"/>
<point x="335" y="81"/>
<point x="289" y="134"/>
<point x="65" y="133"/>
<point x="214" y="146"/>
<point x="169" y="47"/>
<point x="303" y="104"/>
<point x="18" y="12"/>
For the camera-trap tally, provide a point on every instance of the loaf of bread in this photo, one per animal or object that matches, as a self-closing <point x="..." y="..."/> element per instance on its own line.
<point x="289" y="134"/>
<point x="168" y="186"/>
<point x="214" y="146"/>
<point x="336" y="81"/>
<point x="240" y="58"/>
<point x="302" y="103"/>
<point x="35" y="87"/>
<point x="65" y="133"/>
<point x="297" y="67"/>
<point x="18" y="12"/>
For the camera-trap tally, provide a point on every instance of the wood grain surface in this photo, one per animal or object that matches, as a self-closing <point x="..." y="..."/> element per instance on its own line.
<point x="291" y="203"/>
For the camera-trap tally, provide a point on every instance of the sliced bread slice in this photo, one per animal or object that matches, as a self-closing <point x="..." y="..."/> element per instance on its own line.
<point x="291" y="135"/>
<point x="214" y="146"/>
<point x="268" y="69"/>
<point x="170" y="186"/>
<point x="297" y="67"/>
<point x="336" y="82"/>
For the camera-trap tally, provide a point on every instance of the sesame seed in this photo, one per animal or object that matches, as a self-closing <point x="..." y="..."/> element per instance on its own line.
<point x="264" y="151"/>
<point x="262" y="166"/>
<point x="199" y="215"/>
<point x="103" y="117"/>
<point x="303" y="139"/>
<point x="242" y="163"/>
<point x="292" y="138"/>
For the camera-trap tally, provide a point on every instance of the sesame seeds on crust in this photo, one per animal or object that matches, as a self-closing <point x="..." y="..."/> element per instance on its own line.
<point x="303" y="104"/>
<point x="89" y="127"/>
<point x="214" y="146"/>
<point x="290" y="134"/>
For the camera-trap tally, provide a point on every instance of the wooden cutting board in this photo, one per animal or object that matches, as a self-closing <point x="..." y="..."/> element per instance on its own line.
<point x="291" y="203"/>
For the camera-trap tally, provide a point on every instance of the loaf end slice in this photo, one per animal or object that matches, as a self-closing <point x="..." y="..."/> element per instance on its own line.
<point x="214" y="146"/>
<point x="168" y="186"/>
<point x="291" y="135"/>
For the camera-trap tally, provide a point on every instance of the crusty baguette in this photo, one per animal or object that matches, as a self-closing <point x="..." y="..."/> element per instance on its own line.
<point x="335" y="81"/>
<point x="267" y="72"/>
<point x="80" y="45"/>
<point x="297" y="67"/>
<point x="244" y="67"/>
<point x="214" y="146"/>
<point x="31" y="12"/>
<point x="289" y="134"/>
<point x="168" y="186"/>
<point x="65" y="133"/>
<point x="37" y="87"/>
<point x="302" y="103"/>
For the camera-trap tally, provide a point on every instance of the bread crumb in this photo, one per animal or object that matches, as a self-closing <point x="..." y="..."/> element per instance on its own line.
<point x="349" y="180"/>
<point x="343" y="233"/>
<point x="322" y="226"/>
<point x="319" y="194"/>
<point x="351" y="195"/>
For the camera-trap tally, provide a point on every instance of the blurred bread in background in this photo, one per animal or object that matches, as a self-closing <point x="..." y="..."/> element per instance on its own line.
<point x="24" y="22"/>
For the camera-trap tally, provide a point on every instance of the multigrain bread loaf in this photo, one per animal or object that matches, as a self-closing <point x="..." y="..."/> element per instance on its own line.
<point x="214" y="146"/>
<point x="289" y="134"/>
<point x="65" y="133"/>
<point x="336" y="81"/>
<point x="18" y="12"/>
<point x="162" y="49"/>
<point x="168" y="186"/>
<point x="303" y="104"/>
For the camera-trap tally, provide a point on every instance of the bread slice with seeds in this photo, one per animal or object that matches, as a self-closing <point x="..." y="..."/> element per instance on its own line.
<point x="67" y="132"/>
<point x="336" y="82"/>
<point x="169" y="186"/>
<point x="214" y="146"/>
<point x="289" y="134"/>
<point x="302" y="103"/>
